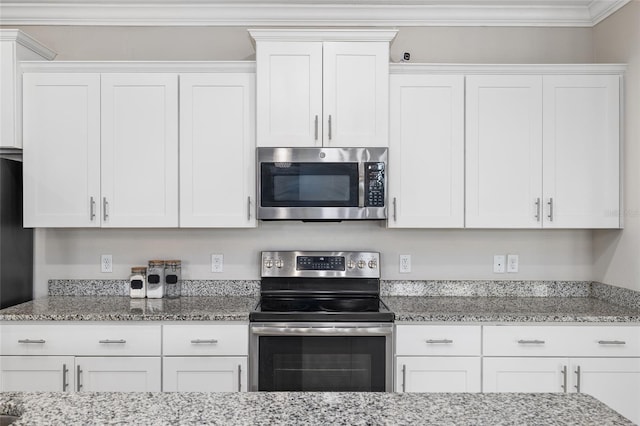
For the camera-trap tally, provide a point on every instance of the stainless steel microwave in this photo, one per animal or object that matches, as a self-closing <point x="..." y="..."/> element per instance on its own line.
<point x="322" y="184"/>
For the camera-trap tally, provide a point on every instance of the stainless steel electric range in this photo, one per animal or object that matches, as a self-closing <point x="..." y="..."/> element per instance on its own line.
<point x="320" y="324"/>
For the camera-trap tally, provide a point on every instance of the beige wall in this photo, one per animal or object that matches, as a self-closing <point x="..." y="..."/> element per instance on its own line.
<point x="437" y="254"/>
<point x="617" y="254"/>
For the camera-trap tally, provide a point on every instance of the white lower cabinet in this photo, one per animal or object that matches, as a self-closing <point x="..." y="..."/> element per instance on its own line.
<point x="205" y="357"/>
<point x="118" y="374"/>
<point x="602" y="361"/>
<point x="437" y="358"/>
<point x="204" y="374"/>
<point x="437" y="374"/>
<point x="36" y="373"/>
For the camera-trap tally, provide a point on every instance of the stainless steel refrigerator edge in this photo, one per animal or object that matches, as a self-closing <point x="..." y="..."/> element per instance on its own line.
<point x="16" y="242"/>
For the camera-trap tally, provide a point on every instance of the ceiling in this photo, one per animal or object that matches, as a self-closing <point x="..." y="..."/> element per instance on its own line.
<point x="397" y="13"/>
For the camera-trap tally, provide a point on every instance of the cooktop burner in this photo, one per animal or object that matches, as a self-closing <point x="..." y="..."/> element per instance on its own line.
<point x="320" y="286"/>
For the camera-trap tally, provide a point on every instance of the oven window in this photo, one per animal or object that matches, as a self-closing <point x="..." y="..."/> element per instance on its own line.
<point x="323" y="364"/>
<point x="309" y="184"/>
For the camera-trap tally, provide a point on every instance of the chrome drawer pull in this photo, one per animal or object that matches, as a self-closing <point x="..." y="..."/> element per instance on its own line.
<point x="209" y="341"/>
<point x="31" y="341"/>
<point x="445" y="341"/>
<point x="612" y="342"/>
<point x="531" y="342"/>
<point x="112" y="341"/>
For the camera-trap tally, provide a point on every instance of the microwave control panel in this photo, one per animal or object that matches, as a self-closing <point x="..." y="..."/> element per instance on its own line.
<point x="374" y="184"/>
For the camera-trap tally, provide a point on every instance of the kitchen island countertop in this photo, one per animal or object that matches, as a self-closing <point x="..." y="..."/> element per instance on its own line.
<point x="477" y="309"/>
<point x="313" y="408"/>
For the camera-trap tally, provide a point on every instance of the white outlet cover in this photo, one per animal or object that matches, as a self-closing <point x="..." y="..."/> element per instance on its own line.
<point x="405" y="263"/>
<point x="512" y="263"/>
<point x="217" y="263"/>
<point x="499" y="261"/>
<point x="106" y="263"/>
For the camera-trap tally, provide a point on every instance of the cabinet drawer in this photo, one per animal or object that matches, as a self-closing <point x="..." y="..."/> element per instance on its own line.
<point x="562" y="341"/>
<point x="206" y="339"/>
<point x="437" y="340"/>
<point x="79" y="339"/>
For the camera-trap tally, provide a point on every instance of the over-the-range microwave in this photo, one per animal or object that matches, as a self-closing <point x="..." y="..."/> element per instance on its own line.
<point x="321" y="184"/>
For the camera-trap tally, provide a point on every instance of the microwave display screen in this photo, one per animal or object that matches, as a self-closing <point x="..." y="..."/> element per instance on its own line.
<point x="309" y="184"/>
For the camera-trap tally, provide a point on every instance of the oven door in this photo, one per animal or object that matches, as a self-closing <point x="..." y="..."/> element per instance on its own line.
<point x="324" y="357"/>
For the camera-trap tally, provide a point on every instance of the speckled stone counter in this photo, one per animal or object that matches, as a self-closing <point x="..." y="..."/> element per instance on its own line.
<point x="262" y="408"/>
<point x="118" y="308"/>
<point x="509" y="309"/>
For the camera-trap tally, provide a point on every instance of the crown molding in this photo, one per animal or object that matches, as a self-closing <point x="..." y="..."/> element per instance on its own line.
<point x="330" y="13"/>
<point x="543" y="69"/>
<point x="385" y="35"/>
<point x="28" y="42"/>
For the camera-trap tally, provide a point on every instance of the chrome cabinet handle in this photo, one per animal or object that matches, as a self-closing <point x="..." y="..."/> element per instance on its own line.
<point x="531" y="342"/>
<point x="315" y="132"/>
<point x="329" y="126"/>
<point x="112" y="341"/>
<point x="92" y="208"/>
<point x="395" y="209"/>
<point x="404" y="377"/>
<point x="564" y="379"/>
<point x="78" y="374"/>
<point x="550" y="215"/>
<point x="436" y="341"/>
<point x="577" y="386"/>
<point x="65" y="370"/>
<point x="105" y="205"/>
<point x="537" y="209"/>
<point x="209" y="341"/>
<point x="239" y="378"/>
<point x="248" y="208"/>
<point x="31" y="341"/>
<point x="612" y="342"/>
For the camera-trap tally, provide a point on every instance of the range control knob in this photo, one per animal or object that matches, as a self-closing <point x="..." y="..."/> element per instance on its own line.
<point x="373" y="264"/>
<point x="361" y="264"/>
<point x="268" y="263"/>
<point x="351" y="264"/>
<point x="279" y="263"/>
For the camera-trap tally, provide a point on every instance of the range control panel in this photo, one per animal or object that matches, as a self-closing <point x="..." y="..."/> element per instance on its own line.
<point x="320" y="264"/>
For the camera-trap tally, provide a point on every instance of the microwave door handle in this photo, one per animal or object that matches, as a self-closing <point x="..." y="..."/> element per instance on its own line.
<point x="361" y="184"/>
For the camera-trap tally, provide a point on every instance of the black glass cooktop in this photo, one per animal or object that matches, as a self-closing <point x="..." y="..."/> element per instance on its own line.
<point x="327" y="308"/>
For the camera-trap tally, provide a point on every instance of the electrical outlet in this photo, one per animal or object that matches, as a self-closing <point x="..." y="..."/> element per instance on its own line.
<point x="512" y="263"/>
<point x="499" y="263"/>
<point x="405" y="263"/>
<point x="217" y="263"/>
<point x="106" y="263"/>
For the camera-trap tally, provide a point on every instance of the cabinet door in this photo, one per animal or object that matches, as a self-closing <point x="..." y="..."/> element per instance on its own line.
<point x="139" y="150"/>
<point x="581" y="151"/>
<point x="118" y="374"/>
<point x="438" y="374"/>
<point x="36" y="373"/>
<point x="614" y="381"/>
<point x="289" y="98"/>
<point x="427" y="139"/>
<point x="217" y="150"/>
<point x="503" y="151"/>
<point x="61" y="116"/>
<point x="524" y="374"/>
<point x="355" y="94"/>
<point x="204" y="374"/>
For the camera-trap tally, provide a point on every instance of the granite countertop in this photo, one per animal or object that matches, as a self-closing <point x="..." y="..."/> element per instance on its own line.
<point x="119" y="308"/>
<point x="308" y="408"/>
<point x="509" y="309"/>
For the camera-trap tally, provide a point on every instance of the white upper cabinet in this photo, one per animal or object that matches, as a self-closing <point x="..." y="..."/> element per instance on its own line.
<point x="542" y="151"/>
<point x="322" y="88"/>
<point x="426" y="183"/>
<point x="581" y="151"/>
<point x="217" y="150"/>
<point x="139" y="150"/>
<point x="503" y="151"/>
<point x="61" y="150"/>
<point x="15" y="47"/>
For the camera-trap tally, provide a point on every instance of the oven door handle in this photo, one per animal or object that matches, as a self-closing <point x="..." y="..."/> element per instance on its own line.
<point x="321" y="331"/>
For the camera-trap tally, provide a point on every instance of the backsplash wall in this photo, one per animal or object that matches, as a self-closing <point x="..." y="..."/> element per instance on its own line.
<point x="436" y="254"/>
